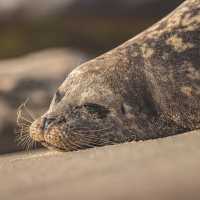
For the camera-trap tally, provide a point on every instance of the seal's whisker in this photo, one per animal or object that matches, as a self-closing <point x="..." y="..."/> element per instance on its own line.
<point x="24" y="125"/>
<point x="20" y="137"/>
<point x="89" y="136"/>
<point x="21" y="119"/>
<point x="28" y="144"/>
<point x="25" y="120"/>
<point x="84" y="136"/>
<point x="23" y="142"/>
<point x="84" y="142"/>
<point x="24" y="106"/>
<point x="91" y="141"/>
<point x="22" y="134"/>
<point x="23" y="138"/>
<point x="24" y="128"/>
<point x="100" y="140"/>
<point x="69" y="144"/>
<point x="30" y="113"/>
<point x="73" y="144"/>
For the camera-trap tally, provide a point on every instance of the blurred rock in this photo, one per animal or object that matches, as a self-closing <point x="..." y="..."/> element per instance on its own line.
<point x="94" y="26"/>
<point x="35" y="76"/>
<point x="38" y="8"/>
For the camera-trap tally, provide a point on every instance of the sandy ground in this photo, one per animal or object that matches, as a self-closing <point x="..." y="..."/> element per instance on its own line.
<point x="157" y="169"/>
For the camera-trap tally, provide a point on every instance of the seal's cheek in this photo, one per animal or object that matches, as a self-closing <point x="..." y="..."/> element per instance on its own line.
<point x="53" y="137"/>
<point x="36" y="132"/>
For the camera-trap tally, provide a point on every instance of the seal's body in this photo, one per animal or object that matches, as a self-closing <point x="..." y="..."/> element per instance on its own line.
<point x="149" y="87"/>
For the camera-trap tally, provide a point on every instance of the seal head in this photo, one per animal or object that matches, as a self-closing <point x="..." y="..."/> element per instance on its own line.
<point x="78" y="127"/>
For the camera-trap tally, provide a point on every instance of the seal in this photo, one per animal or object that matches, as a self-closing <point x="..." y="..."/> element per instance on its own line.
<point x="149" y="87"/>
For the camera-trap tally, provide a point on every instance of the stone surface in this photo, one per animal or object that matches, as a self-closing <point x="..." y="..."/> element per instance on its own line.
<point x="37" y="8"/>
<point x="164" y="169"/>
<point x="35" y="77"/>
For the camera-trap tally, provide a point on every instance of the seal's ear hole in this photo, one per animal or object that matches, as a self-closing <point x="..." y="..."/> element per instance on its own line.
<point x="58" y="96"/>
<point x="125" y="108"/>
<point x="100" y="110"/>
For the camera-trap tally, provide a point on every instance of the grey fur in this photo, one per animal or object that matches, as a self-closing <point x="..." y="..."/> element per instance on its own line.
<point x="149" y="87"/>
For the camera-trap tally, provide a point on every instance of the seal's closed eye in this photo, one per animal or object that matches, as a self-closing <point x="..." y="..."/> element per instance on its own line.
<point x="97" y="109"/>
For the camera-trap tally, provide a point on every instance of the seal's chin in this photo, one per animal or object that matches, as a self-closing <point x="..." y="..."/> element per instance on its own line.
<point x="52" y="146"/>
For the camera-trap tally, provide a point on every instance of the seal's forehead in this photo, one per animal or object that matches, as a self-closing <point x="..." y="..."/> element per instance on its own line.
<point x="87" y="83"/>
<point x="94" y="72"/>
<point x="93" y="94"/>
<point x="80" y="88"/>
<point x="78" y="78"/>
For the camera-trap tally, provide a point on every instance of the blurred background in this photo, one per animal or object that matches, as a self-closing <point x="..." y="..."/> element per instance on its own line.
<point x="41" y="41"/>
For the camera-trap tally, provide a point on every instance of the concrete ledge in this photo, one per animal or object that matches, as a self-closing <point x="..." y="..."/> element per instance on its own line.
<point x="166" y="168"/>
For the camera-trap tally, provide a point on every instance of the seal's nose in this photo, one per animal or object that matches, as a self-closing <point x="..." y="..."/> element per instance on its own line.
<point x="35" y="131"/>
<point x="46" y="122"/>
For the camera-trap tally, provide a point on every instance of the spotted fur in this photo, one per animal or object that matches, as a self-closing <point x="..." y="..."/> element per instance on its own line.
<point x="149" y="87"/>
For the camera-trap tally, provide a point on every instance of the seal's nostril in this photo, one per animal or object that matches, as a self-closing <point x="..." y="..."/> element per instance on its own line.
<point x="46" y="122"/>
